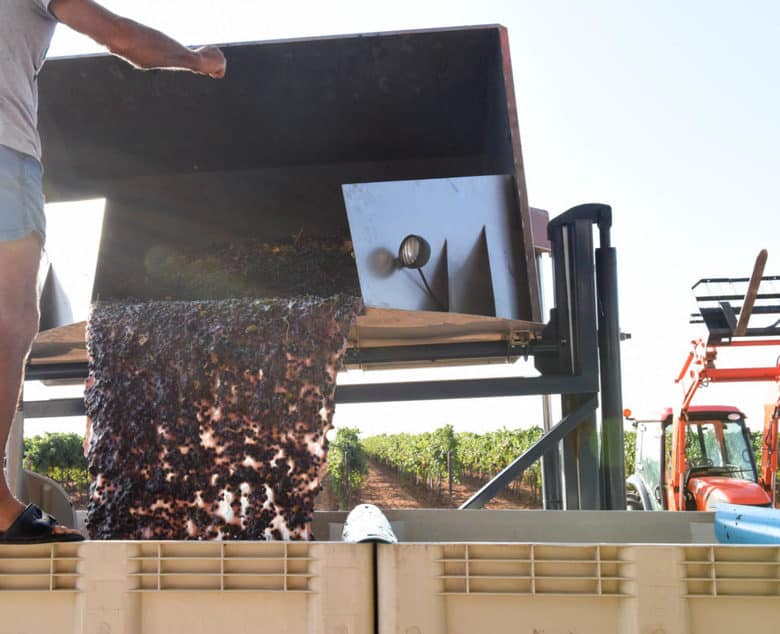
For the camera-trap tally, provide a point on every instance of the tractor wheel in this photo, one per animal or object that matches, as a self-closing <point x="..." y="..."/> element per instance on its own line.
<point x="633" y="503"/>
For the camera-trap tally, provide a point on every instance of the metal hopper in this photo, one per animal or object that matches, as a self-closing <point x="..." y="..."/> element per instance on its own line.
<point x="185" y="162"/>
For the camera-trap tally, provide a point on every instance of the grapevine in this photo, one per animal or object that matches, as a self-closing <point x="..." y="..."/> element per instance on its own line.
<point x="347" y="465"/>
<point x="424" y="458"/>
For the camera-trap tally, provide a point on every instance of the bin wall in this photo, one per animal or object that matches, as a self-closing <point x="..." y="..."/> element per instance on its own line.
<point x="583" y="588"/>
<point x="195" y="587"/>
<point x="423" y="588"/>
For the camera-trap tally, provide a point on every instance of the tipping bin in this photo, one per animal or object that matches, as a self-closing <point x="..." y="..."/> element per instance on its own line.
<point x="185" y="162"/>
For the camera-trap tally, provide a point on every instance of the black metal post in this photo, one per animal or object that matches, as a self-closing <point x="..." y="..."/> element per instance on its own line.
<point x="552" y="488"/>
<point x="571" y="475"/>
<point x="586" y="359"/>
<point x="613" y="471"/>
<point x="588" y="460"/>
<point x="576" y="274"/>
<point x="571" y="236"/>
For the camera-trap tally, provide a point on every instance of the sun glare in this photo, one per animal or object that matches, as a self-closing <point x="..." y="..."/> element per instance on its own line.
<point x="72" y="243"/>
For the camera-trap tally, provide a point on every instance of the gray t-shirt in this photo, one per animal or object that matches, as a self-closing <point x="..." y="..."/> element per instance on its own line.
<point x="26" y="29"/>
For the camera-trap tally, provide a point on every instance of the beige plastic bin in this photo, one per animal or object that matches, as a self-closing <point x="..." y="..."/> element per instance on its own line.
<point x="187" y="587"/>
<point x="454" y="572"/>
<point x="463" y="588"/>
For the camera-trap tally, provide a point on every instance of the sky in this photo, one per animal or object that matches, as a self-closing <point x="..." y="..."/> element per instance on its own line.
<point x="667" y="111"/>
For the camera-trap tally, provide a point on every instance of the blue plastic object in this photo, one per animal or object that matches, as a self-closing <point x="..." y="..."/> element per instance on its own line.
<point x="739" y="524"/>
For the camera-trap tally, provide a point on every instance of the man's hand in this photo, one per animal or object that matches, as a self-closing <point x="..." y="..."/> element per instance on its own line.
<point x="212" y="62"/>
<point x="140" y="45"/>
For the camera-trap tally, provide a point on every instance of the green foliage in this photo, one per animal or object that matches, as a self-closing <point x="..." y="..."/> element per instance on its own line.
<point x="424" y="457"/>
<point x="485" y="455"/>
<point x="756" y="438"/>
<point x="629" y="444"/>
<point x="58" y="456"/>
<point x="347" y="464"/>
<point x="420" y="457"/>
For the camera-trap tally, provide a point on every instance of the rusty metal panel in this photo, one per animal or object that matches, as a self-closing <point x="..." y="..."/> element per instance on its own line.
<point x="539" y="220"/>
<point x="513" y="127"/>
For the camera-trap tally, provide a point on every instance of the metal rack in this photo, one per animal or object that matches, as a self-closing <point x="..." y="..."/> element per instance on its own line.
<point x="727" y="303"/>
<point x="458" y="85"/>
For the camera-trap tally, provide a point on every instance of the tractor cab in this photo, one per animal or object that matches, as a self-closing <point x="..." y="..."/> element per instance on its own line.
<point x="720" y="464"/>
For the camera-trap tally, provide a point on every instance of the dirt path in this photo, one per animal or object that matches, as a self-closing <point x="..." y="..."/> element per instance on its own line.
<point x="387" y="490"/>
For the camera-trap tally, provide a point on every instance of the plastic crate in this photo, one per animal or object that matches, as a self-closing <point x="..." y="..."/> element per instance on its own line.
<point x="193" y="587"/>
<point x="524" y="572"/>
<point x="461" y="588"/>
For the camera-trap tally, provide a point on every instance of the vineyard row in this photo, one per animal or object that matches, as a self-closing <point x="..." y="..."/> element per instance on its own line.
<point x="430" y="458"/>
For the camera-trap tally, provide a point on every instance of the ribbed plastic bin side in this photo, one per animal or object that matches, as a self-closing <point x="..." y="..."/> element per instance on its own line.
<point x="732" y="588"/>
<point x="231" y="586"/>
<point x="583" y="588"/>
<point x="38" y="588"/>
<point x="164" y="587"/>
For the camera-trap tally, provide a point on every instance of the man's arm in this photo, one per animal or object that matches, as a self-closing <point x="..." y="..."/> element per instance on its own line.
<point x="140" y="45"/>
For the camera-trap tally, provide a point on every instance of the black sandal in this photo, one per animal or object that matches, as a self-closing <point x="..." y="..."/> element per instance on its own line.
<point x="34" y="526"/>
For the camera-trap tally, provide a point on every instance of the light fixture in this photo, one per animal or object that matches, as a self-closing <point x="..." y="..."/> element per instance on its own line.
<point x="414" y="252"/>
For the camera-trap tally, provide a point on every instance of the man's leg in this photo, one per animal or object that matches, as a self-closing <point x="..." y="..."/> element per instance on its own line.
<point x="19" y="261"/>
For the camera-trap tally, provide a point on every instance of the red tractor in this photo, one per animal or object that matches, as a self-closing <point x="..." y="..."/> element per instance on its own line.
<point x="701" y="456"/>
<point x="719" y="463"/>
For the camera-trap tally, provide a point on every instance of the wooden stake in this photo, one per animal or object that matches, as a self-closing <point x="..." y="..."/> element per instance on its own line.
<point x="750" y="296"/>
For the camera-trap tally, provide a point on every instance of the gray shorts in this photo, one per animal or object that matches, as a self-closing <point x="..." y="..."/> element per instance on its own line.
<point x="21" y="196"/>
